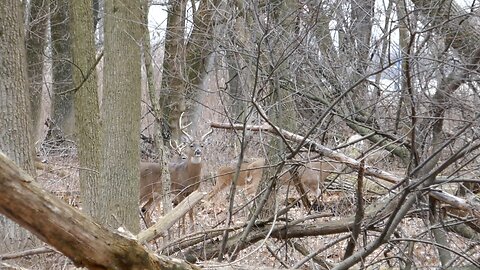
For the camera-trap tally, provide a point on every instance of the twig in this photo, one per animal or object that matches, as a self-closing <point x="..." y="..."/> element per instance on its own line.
<point x="359" y="214"/>
<point x="25" y="253"/>
<point x="274" y="254"/>
<point x="85" y="77"/>
<point x="313" y="254"/>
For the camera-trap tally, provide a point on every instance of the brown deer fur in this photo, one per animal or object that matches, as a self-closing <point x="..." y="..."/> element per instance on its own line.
<point x="312" y="175"/>
<point x="249" y="175"/>
<point x="150" y="187"/>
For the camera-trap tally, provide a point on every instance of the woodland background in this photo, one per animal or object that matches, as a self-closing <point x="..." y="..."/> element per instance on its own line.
<point x="85" y="90"/>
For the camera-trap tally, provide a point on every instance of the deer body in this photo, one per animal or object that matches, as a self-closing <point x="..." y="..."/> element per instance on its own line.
<point x="150" y="187"/>
<point x="312" y="175"/>
<point x="185" y="179"/>
<point x="249" y="175"/>
<point x="185" y="176"/>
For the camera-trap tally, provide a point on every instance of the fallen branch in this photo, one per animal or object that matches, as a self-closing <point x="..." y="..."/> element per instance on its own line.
<point x="173" y="216"/>
<point x="373" y="214"/>
<point x="315" y="147"/>
<point x="25" y="253"/>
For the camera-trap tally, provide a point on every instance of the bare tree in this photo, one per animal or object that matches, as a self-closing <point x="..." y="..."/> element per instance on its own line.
<point x="87" y="116"/>
<point x="36" y="40"/>
<point x="121" y="115"/>
<point x="15" y="137"/>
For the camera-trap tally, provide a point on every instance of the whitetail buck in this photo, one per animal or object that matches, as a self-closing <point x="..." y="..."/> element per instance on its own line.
<point x="185" y="175"/>
<point x="312" y="175"/>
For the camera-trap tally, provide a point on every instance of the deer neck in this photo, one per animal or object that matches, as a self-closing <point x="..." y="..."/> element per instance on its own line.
<point x="196" y="160"/>
<point x="194" y="168"/>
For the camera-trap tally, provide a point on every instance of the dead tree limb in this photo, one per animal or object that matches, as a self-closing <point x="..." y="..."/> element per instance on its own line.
<point x="373" y="214"/>
<point x="25" y="253"/>
<point x="359" y="214"/>
<point x="170" y="218"/>
<point x="313" y="146"/>
<point x="70" y="231"/>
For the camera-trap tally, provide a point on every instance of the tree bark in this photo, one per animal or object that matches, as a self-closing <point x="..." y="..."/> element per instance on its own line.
<point x="87" y="116"/>
<point x="172" y="97"/>
<point x="15" y="134"/>
<point x="163" y="150"/>
<point x="36" y="40"/>
<point x="121" y="112"/>
<point x="62" y="112"/>
<point x="68" y="230"/>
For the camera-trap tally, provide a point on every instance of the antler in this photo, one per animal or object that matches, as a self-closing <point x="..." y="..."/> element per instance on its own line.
<point x="206" y="134"/>
<point x="183" y="128"/>
<point x="177" y="148"/>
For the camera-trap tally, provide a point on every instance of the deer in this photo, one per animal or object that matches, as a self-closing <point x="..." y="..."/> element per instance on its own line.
<point x="150" y="188"/>
<point x="185" y="174"/>
<point x="151" y="185"/>
<point x="312" y="175"/>
<point x="250" y="174"/>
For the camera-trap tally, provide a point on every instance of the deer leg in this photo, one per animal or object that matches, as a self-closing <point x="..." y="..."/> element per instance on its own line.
<point x="146" y="212"/>
<point x="192" y="221"/>
<point x="318" y="205"/>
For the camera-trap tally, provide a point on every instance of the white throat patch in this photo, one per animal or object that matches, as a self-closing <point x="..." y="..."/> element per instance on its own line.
<point x="196" y="160"/>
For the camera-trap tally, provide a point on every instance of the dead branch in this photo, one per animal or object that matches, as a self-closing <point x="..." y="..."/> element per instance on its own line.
<point x="322" y="262"/>
<point x="167" y="221"/>
<point x="374" y="213"/>
<point x="25" y="253"/>
<point x="70" y="231"/>
<point x="359" y="213"/>
<point x="463" y="204"/>
<point x="209" y="250"/>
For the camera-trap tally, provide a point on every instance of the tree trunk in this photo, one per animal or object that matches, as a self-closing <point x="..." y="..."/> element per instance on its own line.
<point x="36" y="41"/>
<point x="200" y="56"/>
<point x="15" y="141"/>
<point x="282" y="111"/>
<point x="62" y="112"/>
<point x="163" y="151"/>
<point x="87" y="116"/>
<point x="121" y="112"/>
<point x="173" y="86"/>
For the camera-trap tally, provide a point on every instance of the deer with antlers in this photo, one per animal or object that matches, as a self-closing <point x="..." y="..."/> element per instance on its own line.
<point x="185" y="174"/>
